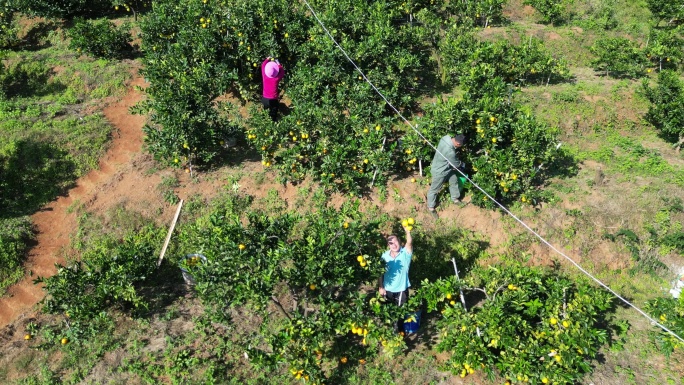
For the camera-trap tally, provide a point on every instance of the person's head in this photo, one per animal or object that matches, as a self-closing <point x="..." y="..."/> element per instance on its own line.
<point x="393" y="243"/>
<point x="458" y="140"/>
<point x="271" y="70"/>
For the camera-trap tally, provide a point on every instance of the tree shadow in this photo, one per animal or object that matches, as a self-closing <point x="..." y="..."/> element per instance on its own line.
<point x="32" y="174"/>
<point x="164" y="288"/>
<point x="36" y="37"/>
<point x="564" y="165"/>
<point x="434" y="255"/>
<point x="434" y="261"/>
<point x="28" y="79"/>
<point x="236" y="154"/>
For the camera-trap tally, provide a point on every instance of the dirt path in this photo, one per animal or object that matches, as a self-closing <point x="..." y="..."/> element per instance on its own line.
<point x="54" y="222"/>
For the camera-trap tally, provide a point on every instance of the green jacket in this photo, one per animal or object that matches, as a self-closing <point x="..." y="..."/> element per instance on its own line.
<point x="440" y="166"/>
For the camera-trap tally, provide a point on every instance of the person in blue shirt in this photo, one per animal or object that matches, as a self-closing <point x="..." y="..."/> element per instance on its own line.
<point x="394" y="283"/>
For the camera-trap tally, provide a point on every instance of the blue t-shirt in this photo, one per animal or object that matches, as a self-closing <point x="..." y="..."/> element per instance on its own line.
<point x="396" y="273"/>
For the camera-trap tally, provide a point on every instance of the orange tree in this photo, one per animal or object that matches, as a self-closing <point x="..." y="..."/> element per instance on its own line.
<point x="670" y="312"/>
<point x="526" y="63"/>
<point x="338" y="128"/>
<point x="669" y="11"/>
<point x="188" y="62"/>
<point x="665" y="111"/>
<point x="506" y="146"/>
<point x="310" y="278"/>
<point x="665" y="48"/>
<point x="533" y="325"/>
<point x="110" y="275"/>
<point x="65" y="9"/>
<point x="619" y="57"/>
<point x="476" y="13"/>
<point x="8" y="25"/>
<point x="551" y="11"/>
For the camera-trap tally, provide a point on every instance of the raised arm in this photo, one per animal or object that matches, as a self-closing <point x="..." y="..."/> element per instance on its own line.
<point x="409" y="241"/>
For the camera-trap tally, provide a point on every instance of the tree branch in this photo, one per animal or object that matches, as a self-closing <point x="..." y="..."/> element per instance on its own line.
<point x="280" y="306"/>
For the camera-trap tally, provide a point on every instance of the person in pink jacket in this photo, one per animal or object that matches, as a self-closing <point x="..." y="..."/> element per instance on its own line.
<point x="271" y="73"/>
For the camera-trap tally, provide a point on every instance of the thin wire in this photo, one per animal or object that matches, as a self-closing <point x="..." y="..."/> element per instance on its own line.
<point x="544" y="241"/>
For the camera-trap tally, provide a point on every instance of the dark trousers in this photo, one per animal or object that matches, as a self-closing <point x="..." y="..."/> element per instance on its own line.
<point x="398" y="299"/>
<point x="272" y="106"/>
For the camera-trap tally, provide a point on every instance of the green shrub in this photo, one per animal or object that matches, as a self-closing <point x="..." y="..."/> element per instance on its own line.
<point x="64" y="9"/>
<point x="532" y="325"/>
<point x="665" y="48"/>
<point x="552" y="11"/>
<point x="476" y="13"/>
<point x="109" y="274"/>
<point x="601" y="15"/>
<point x="8" y="25"/>
<point x="24" y="78"/>
<point x="619" y="57"/>
<point x="668" y="10"/>
<point x="32" y="174"/>
<point x="526" y="63"/>
<point x="101" y="38"/>
<point x="666" y="111"/>
<point x="14" y="234"/>
<point x="670" y="313"/>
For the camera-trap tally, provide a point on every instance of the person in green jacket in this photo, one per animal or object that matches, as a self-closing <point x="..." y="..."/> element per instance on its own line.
<point x="443" y="170"/>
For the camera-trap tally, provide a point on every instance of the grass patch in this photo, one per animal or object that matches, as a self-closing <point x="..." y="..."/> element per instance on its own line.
<point x="49" y="129"/>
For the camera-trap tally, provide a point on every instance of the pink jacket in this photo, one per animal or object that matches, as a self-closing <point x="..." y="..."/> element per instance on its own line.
<point x="271" y="84"/>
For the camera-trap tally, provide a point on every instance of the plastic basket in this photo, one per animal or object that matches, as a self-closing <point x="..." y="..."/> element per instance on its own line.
<point x="187" y="277"/>
<point x="412" y="322"/>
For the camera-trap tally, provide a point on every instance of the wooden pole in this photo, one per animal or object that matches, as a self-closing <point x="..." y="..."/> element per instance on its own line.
<point x="376" y="169"/>
<point x="460" y="292"/>
<point x="168" y="235"/>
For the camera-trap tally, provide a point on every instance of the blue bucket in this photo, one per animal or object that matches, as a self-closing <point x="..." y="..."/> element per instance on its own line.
<point x="412" y="322"/>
